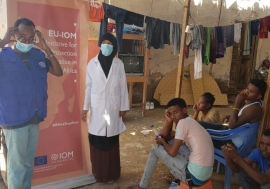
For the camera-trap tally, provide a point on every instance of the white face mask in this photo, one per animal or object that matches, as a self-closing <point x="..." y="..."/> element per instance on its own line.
<point x="23" y="47"/>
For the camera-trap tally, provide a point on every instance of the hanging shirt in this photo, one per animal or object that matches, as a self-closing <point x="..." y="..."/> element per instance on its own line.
<point x="237" y="32"/>
<point x="96" y="11"/>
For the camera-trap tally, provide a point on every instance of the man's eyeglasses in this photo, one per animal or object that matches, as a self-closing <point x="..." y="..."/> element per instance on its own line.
<point x="29" y="40"/>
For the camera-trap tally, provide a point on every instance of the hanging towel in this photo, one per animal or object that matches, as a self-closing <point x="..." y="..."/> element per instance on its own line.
<point x="237" y="32"/>
<point x="198" y="63"/>
<point x="176" y="38"/>
<point x="247" y="38"/>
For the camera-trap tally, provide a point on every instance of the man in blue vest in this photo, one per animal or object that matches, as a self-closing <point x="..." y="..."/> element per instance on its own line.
<point x="23" y="96"/>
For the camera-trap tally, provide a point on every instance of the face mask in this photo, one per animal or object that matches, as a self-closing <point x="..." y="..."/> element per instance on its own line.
<point x="23" y="47"/>
<point x="106" y="49"/>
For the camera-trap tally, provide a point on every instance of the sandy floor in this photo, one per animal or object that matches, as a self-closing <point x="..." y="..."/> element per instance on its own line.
<point x="135" y="148"/>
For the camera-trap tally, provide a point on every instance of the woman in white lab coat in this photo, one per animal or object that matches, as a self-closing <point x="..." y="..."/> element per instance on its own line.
<point x="106" y="97"/>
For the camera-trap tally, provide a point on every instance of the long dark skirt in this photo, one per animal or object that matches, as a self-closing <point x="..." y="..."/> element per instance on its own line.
<point x="105" y="163"/>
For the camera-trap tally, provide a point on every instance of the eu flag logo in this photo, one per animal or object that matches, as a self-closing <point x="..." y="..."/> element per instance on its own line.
<point x="40" y="160"/>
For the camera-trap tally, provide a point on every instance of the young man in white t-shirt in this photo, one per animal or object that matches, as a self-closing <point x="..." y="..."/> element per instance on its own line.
<point x="198" y="166"/>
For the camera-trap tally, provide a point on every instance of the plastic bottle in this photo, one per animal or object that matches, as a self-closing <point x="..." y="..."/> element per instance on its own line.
<point x="173" y="185"/>
<point x="155" y="132"/>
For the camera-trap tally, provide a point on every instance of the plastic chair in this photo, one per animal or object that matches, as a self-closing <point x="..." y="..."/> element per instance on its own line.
<point x="247" y="133"/>
<point x="207" y="185"/>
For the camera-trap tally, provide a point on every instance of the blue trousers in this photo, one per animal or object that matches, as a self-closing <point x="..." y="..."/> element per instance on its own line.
<point x="246" y="182"/>
<point x="119" y="16"/>
<point x="21" y="146"/>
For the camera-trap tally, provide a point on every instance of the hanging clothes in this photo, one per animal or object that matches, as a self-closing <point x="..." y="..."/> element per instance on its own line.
<point x="96" y="11"/>
<point x="255" y="24"/>
<point x="219" y="42"/>
<point x="247" y="38"/>
<point x="204" y="41"/>
<point x="196" y="45"/>
<point x="155" y="31"/>
<point x="198" y="63"/>
<point x="195" y="38"/>
<point x="176" y="38"/>
<point x="134" y="19"/>
<point x="229" y="35"/>
<point x="224" y="31"/>
<point x="213" y="45"/>
<point x="264" y="27"/>
<point x="166" y="33"/>
<point x="237" y="32"/>
<point x="206" y="55"/>
<point x="119" y="16"/>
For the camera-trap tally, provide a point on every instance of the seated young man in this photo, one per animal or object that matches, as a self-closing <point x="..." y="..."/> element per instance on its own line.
<point x="247" y="109"/>
<point x="198" y="167"/>
<point x="246" y="175"/>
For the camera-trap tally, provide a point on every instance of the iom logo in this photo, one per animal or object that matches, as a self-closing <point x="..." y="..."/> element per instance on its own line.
<point x="62" y="155"/>
<point x="42" y="64"/>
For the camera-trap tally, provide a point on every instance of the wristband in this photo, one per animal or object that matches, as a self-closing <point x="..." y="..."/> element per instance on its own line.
<point x="237" y="109"/>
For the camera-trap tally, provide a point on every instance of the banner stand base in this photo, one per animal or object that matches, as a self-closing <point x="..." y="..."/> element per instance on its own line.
<point x="70" y="183"/>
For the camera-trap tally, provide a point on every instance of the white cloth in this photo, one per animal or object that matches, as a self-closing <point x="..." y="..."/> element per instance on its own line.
<point x="198" y="63"/>
<point x="105" y="97"/>
<point x="237" y="32"/>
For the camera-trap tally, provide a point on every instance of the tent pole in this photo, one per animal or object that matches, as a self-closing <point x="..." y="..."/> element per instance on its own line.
<point x="265" y="123"/>
<point x="182" y="49"/>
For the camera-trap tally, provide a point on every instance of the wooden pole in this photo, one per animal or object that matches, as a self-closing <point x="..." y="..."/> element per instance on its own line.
<point x="182" y="49"/>
<point x="265" y="123"/>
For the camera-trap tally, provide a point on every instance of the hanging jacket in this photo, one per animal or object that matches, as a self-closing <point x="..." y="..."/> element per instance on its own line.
<point x="23" y="91"/>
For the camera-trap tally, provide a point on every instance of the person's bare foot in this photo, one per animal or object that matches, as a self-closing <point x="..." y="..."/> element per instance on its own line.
<point x="134" y="187"/>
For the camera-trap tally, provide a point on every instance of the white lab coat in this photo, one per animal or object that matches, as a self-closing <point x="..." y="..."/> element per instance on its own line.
<point x="105" y="97"/>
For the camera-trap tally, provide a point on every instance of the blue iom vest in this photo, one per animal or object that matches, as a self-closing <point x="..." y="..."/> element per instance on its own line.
<point x="23" y="91"/>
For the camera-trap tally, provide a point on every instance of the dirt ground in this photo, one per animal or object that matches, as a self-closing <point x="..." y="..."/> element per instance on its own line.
<point x="135" y="148"/>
